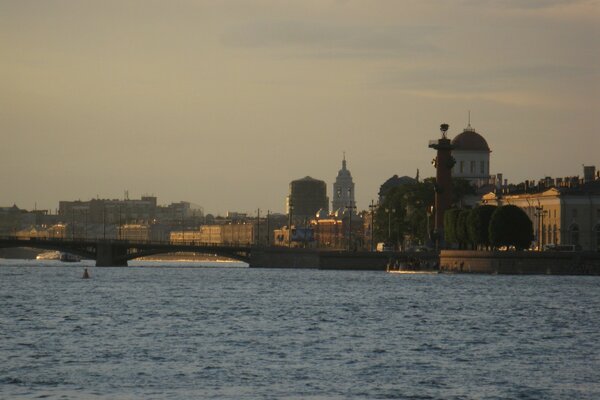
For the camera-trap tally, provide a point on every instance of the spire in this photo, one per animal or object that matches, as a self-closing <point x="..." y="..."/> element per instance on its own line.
<point x="469" y="127"/>
<point x="344" y="161"/>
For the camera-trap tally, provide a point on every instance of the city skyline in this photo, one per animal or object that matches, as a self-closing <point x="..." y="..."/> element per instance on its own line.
<point x="224" y="104"/>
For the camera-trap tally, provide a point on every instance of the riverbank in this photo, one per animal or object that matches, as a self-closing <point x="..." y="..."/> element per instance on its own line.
<point x="520" y="262"/>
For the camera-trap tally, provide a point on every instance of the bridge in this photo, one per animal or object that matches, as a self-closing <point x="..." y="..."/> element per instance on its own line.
<point x="109" y="252"/>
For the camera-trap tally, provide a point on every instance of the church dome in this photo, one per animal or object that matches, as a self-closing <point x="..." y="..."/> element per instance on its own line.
<point x="341" y="212"/>
<point x="322" y="214"/>
<point x="470" y="140"/>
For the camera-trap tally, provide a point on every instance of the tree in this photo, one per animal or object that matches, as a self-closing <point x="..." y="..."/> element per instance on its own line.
<point x="510" y="226"/>
<point x="478" y="225"/>
<point x="404" y="212"/>
<point x="462" y="234"/>
<point x="460" y="189"/>
<point x="450" y="218"/>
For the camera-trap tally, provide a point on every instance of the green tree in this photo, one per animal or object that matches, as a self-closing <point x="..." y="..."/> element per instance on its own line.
<point x="460" y="189"/>
<point x="462" y="234"/>
<point x="478" y="225"/>
<point x="450" y="218"/>
<point x="510" y="226"/>
<point x="404" y="212"/>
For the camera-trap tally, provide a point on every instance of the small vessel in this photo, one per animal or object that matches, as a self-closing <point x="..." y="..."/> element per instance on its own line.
<point x="48" y="255"/>
<point x="68" y="257"/>
<point x="412" y="266"/>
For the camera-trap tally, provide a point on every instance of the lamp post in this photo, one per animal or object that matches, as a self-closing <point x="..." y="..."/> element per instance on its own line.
<point x="429" y="214"/>
<point x="258" y="227"/>
<point x="389" y="213"/>
<point x="291" y="210"/>
<point x="182" y="224"/>
<point x="268" y="228"/>
<point x="350" y="209"/>
<point x="372" y="206"/>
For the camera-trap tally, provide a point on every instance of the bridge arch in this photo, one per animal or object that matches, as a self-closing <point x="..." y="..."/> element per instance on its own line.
<point x="152" y="252"/>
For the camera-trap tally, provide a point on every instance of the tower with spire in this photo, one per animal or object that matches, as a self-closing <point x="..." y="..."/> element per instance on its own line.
<point x="343" y="189"/>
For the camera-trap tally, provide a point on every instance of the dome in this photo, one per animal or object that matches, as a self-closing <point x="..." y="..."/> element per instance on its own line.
<point x="322" y="214"/>
<point x="470" y="140"/>
<point x="341" y="213"/>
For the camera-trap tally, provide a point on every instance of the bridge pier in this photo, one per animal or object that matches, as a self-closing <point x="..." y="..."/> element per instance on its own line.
<point x="111" y="255"/>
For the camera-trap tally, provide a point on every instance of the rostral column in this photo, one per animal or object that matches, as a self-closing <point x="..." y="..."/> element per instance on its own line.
<point x="443" y="163"/>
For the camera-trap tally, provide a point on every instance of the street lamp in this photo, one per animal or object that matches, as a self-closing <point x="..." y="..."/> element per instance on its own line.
<point x="258" y="227"/>
<point x="350" y="209"/>
<point x="389" y="212"/>
<point x="429" y="214"/>
<point x="372" y="206"/>
<point x="291" y="210"/>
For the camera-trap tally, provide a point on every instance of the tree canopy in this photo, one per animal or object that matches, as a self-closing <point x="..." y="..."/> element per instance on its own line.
<point x="478" y="224"/>
<point x="404" y="210"/>
<point x="510" y="226"/>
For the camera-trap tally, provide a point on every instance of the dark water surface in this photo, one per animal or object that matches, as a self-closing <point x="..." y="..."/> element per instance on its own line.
<point x="238" y="333"/>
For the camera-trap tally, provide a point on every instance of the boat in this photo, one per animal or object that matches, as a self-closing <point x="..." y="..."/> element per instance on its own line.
<point x="58" y="255"/>
<point x="68" y="257"/>
<point x="48" y="255"/>
<point x="412" y="266"/>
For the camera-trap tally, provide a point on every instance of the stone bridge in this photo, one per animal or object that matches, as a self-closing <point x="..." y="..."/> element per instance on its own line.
<point x="108" y="252"/>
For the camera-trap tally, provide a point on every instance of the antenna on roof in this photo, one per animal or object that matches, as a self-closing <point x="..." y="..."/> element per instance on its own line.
<point x="469" y="127"/>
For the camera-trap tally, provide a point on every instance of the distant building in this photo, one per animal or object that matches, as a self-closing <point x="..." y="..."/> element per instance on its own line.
<point x="394" y="182"/>
<point x="563" y="210"/>
<point x="343" y="190"/>
<point x="472" y="155"/>
<point x="307" y="196"/>
<point x="247" y="233"/>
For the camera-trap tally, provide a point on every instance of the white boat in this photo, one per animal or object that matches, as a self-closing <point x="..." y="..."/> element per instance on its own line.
<point x="48" y="255"/>
<point x="58" y="255"/>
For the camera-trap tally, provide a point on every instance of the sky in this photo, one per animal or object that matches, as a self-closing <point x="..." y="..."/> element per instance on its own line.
<point x="223" y="103"/>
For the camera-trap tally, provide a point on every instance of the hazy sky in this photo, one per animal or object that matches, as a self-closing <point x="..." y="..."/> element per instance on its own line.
<point x="223" y="103"/>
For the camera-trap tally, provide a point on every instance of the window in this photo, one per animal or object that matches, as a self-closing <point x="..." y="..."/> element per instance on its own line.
<point x="472" y="166"/>
<point x="462" y="167"/>
<point x="597" y="235"/>
<point x="574" y="213"/>
<point x="482" y="167"/>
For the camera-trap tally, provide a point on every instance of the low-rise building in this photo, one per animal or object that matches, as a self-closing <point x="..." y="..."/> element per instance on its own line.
<point x="563" y="211"/>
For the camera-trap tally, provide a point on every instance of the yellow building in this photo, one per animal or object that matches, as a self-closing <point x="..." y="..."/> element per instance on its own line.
<point x="567" y="214"/>
<point x="234" y="234"/>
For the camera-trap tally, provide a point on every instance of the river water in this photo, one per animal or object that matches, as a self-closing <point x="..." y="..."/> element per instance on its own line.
<point x="181" y="331"/>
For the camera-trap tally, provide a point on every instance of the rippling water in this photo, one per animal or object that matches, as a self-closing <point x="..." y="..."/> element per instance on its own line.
<point x="168" y="331"/>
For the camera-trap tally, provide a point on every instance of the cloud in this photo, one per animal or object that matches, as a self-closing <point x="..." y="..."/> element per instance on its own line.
<point x="312" y="38"/>
<point x="526" y="4"/>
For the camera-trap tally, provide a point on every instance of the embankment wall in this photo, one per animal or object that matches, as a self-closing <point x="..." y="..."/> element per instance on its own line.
<point x="520" y="262"/>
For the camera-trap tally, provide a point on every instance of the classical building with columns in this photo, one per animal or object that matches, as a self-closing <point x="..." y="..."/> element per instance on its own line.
<point x="563" y="211"/>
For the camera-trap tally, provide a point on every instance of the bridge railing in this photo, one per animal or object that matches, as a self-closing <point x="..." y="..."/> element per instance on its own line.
<point x="184" y="244"/>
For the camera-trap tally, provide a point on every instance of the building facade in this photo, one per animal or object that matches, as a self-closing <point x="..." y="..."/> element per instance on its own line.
<point x="566" y="214"/>
<point x="307" y="196"/>
<point x="472" y="155"/>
